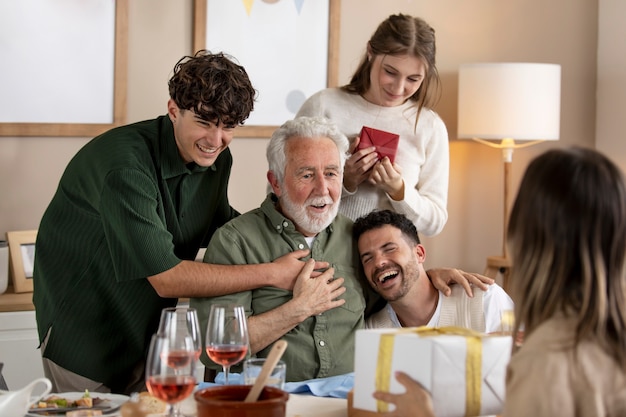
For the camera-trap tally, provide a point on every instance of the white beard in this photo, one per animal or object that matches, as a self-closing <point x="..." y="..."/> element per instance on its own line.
<point x="310" y="223"/>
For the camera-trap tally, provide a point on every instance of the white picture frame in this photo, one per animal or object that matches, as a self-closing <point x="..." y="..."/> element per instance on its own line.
<point x="288" y="48"/>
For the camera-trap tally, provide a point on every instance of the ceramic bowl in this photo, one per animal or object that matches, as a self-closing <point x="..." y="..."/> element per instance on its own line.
<point x="227" y="401"/>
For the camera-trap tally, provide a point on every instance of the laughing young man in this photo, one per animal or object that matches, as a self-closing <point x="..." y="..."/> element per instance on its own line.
<point x="393" y="260"/>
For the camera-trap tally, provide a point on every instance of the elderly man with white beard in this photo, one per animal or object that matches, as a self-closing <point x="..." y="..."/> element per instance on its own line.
<point x="320" y="317"/>
<point x="318" y="320"/>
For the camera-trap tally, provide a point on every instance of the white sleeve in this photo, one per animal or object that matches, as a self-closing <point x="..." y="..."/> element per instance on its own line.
<point x="425" y="203"/>
<point x="495" y="301"/>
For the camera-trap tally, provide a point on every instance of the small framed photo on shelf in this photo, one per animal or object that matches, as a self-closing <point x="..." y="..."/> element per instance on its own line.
<point x="22" y="254"/>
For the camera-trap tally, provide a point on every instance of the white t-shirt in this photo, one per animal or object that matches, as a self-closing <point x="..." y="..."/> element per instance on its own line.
<point x="495" y="301"/>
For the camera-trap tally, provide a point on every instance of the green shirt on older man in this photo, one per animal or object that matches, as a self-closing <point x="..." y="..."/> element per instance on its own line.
<point x="322" y="345"/>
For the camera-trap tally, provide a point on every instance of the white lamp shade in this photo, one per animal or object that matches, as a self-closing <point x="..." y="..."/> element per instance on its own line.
<point x="521" y="101"/>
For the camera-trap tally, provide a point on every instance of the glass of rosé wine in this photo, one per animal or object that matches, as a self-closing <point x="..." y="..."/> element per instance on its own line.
<point x="181" y="322"/>
<point x="170" y="368"/>
<point x="227" y="336"/>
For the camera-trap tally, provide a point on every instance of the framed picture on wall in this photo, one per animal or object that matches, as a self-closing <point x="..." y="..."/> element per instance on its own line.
<point x="64" y="67"/>
<point x="288" y="47"/>
<point x="22" y="259"/>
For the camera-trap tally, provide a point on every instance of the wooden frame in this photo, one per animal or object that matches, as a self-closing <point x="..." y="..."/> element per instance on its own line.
<point x="332" y="77"/>
<point x="119" y="94"/>
<point x="21" y="243"/>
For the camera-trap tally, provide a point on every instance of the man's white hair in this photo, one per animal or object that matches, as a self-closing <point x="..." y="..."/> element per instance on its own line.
<point x="303" y="127"/>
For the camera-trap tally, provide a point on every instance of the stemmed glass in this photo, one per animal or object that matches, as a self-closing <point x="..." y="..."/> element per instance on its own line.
<point x="170" y="368"/>
<point x="227" y="336"/>
<point x="182" y="321"/>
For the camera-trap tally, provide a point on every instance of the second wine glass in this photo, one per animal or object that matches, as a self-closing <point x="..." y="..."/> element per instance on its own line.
<point x="227" y="336"/>
<point x="170" y="369"/>
<point x="181" y="322"/>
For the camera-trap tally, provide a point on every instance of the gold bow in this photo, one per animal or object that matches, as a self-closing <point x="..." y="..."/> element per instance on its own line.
<point x="473" y="362"/>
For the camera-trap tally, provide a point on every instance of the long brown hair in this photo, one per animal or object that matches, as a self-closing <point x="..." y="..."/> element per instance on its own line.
<point x="567" y="235"/>
<point x="402" y="34"/>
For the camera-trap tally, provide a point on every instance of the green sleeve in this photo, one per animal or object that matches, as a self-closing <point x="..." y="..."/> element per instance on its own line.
<point x="223" y="249"/>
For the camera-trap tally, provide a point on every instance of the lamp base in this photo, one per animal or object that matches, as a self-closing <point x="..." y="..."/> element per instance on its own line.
<point x="499" y="264"/>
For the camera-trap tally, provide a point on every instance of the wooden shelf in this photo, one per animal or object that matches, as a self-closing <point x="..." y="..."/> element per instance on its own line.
<point x="11" y="301"/>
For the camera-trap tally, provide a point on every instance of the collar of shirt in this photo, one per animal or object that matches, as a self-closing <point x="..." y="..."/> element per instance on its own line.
<point x="171" y="162"/>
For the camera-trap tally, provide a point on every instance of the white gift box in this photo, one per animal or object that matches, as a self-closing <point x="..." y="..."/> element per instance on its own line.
<point x="463" y="370"/>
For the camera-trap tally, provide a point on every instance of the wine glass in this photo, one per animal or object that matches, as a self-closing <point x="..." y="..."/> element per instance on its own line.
<point x="227" y="336"/>
<point x="170" y="368"/>
<point x="182" y="321"/>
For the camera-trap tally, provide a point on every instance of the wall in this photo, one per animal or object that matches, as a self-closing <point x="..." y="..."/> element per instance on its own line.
<point x="611" y="94"/>
<point x="558" y="31"/>
<point x="561" y="32"/>
<point x="30" y="167"/>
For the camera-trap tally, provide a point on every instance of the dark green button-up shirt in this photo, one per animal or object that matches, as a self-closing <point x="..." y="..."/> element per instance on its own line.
<point x="127" y="207"/>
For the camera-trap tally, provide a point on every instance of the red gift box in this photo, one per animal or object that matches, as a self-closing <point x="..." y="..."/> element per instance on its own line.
<point x="386" y="142"/>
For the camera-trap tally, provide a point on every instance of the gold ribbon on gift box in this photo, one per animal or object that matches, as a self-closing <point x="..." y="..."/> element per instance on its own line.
<point x="473" y="362"/>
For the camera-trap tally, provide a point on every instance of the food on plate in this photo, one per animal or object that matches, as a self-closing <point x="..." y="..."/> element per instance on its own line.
<point x="84" y="402"/>
<point x="143" y="404"/>
<point x="56" y="401"/>
<point x="151" y="404"/>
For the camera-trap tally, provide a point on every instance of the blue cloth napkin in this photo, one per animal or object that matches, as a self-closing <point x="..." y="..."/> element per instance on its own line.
<point x="332" y="386"/>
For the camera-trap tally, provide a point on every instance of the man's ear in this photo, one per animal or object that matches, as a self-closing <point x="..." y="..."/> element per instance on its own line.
<point x="271" y="178"/>
<point x="420" y="251"/>
<point x="172" y="110"/>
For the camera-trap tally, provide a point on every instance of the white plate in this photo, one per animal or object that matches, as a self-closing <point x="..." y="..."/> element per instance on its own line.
<point x="113" y="401"/>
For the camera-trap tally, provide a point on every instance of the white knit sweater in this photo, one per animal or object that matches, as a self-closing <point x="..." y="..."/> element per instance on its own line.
<point x="423" y="155"/>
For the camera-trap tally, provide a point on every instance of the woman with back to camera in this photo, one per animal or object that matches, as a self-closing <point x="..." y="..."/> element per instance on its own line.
<point x="393" y="89"/>
<point x="567" y="235"/>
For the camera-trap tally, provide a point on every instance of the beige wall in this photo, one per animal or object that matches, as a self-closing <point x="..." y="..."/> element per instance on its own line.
<point x="559" y="31"/>
<point x="610" y="120"/>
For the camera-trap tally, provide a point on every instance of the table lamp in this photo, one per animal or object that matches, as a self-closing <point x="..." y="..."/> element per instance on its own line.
<point x="508" y="103"/>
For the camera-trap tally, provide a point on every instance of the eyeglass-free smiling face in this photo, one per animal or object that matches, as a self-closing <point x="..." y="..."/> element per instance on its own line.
<point x="391" y="264"/>
<point x="394" y="79"/>
<point x="309" y="194"/>
<point x="198" y="140"/>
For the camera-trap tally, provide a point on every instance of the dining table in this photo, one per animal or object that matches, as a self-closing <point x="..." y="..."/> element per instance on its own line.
<point x="298" y="405"/>
<point x="303" y="405"/>
<point x="322" y="397"/>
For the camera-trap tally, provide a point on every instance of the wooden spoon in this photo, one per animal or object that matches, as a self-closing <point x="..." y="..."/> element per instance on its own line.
<point x="270" y="362"/>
